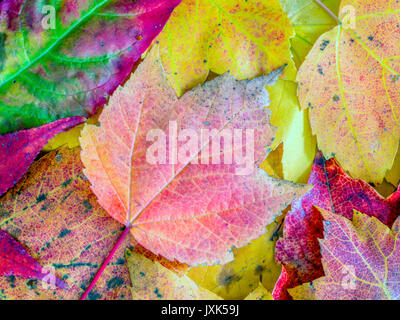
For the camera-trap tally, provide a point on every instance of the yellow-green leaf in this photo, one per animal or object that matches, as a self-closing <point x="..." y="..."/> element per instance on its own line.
<point x="309" y="21"/>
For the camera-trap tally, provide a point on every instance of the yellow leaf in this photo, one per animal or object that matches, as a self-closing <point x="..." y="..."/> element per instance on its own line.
<point x="309" y="21"/>
<point x="294" y="130"/>
<point x="393" y="175"/>
<point x="274" y="162"/>
<point x="152" y="281"/>
<point x="247" y="38"/>
<point x="260" y="293"/>
<point x="252" y="264"/>
<point x="71" y="137"/>
<point x="349" y="81"/>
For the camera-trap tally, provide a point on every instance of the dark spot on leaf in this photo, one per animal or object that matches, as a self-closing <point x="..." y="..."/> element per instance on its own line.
<point x="94" y="295"/>
<point x="41" y="197"/>
<point x="157" y="293"/>
<point x="31" y="284"/>
<point x="63" y="233"/>
<point x="115" y="282"/>
<point x="120" y="262"/>
<point x="5" y="214"/>
<point x="66" y="183"/>
<point x="324" y="44"/>
<point x="226" y="277"/>
<point x="11" y="280"/>
<point x="87" y="205"/>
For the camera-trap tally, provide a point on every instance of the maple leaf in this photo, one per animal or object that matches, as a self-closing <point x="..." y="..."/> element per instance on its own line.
<point x="298" y="251"/>
<point x="192" y="213"/>
<point x="55" y="216"/>
<point x="152" y="281"/>
<point x="15" y="261"/>
<point x="360" y="259"/>
<point x="349" y="82"/>
<point x="309" y="21"/>
<point x="66" y="58"/>
<point x="252" y="264"/>
<point x="247" y="38"/>
<point x="19" y="149"/>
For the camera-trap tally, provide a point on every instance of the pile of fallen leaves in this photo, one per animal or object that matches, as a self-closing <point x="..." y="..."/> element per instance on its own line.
<point x="88" y="89"/>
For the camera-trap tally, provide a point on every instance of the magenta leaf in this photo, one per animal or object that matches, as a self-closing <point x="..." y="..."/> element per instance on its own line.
<point x="19" y="149"/>
<point x="15" y="261"/>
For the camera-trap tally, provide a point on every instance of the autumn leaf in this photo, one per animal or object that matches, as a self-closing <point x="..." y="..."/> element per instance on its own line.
<point x="152" y="281"/>
<point x="19" y="149"/>
<point x="293" y="129"/>
<point x="71" y="137"/>
<point x="393" y="175"/>
<point x="15" y="261"/>
<point x="360" y="259"/>
<point x="349" y="83"/>
<point x="192" y="213"/>
<point x="247" y="38"/>
<point x="55" y="216"/>
<point x="252" y="264"/>
<point x="309" y="21"/>
<point x="260" y="293"/>
<point x="298" y="251"/>
<point x="65" y="59"/>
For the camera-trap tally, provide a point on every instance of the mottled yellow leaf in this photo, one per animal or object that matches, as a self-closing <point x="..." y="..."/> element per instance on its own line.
<point x="349" y="81"/>
<point x="253" y="264"/>
<point x="247" y="38"/>
<point x="260" y="293"/>
<point x="152" y="281"/>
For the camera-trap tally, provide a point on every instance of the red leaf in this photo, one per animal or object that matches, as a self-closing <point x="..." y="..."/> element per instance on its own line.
<point x="19" y="149"/>
<point x="299" y="251"/>
<point x="15" y="261"/>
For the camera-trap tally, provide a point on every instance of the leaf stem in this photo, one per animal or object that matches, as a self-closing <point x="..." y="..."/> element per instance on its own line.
<point x="334" y="16"/>
<point x="106" y="261"/>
